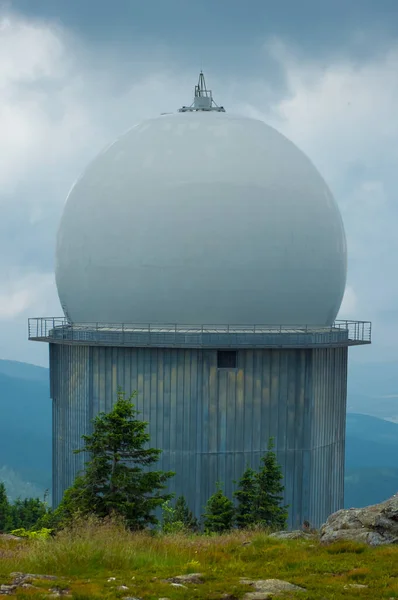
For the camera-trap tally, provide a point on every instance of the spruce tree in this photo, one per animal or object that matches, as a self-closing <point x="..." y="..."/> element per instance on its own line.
<point x="27" y="513"/>
<point x="268" y="510"/>
<point x="219" y="513"/>
<point x="6" y="523"/>
<point x="116" y="480"/>
<point x="183" y="514"/>
<point x="246" y="497"/>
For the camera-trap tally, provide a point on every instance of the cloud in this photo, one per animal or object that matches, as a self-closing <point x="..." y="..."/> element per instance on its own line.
<point x="62" y="100"/>
<point x="25" y="293"/>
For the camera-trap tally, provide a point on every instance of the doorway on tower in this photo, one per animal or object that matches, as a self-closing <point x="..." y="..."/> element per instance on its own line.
<point x="226" y="359"/>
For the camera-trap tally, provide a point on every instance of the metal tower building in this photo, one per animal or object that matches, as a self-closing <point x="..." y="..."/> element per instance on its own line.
<point x="201" y="260"/>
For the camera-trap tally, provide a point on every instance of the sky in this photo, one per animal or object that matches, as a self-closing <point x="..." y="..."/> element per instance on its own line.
<point x="75" y="74"/>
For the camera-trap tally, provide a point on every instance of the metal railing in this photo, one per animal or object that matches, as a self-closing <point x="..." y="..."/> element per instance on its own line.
<point x="59" y="330"/>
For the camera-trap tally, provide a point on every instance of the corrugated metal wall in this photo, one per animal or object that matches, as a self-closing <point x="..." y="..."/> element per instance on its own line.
<point x="210" y="423"/>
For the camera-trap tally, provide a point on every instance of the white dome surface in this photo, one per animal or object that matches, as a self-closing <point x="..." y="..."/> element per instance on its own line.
<point x="201" y="218"/>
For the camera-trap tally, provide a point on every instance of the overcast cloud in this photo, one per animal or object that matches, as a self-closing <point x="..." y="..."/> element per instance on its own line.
<point x="63" y="98"/>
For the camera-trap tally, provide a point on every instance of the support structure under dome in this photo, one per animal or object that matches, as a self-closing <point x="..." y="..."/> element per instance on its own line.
<point x="212" y="396"/>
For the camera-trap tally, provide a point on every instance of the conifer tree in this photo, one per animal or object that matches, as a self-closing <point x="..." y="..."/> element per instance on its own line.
<point x="178" y="518"/>
<point x="246" y="496"/>
<point x="6" y="523"/>
<point x="219" y="513"/>
<point x="268" y="510"/>
<point x="27" y="513"/>
<point x="116" y="479"/>
<point x="183" y="514"/>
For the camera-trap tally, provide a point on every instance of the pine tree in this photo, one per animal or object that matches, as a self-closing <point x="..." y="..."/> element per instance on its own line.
<point x="183" y="514"/>
<point x="246" y="497"/>
<point x="27" y="513"/>
<point x="115" y="480"/>
<point x="6" y="523"/>
<point x="268" y="510"/>
<point x="219" y="513"/>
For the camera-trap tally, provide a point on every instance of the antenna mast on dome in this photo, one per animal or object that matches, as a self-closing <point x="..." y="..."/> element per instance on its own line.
<point x="203" y="100"/>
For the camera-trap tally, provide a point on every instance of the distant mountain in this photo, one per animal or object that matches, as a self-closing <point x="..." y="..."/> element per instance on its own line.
<point x="25" y="422"/>
<point x="373" y="389"/>
<point x="20" y="370"/>
<point x="369" y="486"/>
<point x="371" y="460"/>
<point x="25" y="432"/>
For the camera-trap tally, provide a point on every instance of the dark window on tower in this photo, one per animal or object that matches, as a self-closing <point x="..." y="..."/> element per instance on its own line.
<point x="226" y="359"/>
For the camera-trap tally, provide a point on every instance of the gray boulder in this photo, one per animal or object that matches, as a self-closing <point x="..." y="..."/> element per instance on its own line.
<point x="188" y="578"/>
<point x="375" y="525"/>
<point x="268" y="588"/>
<point x="293" y="535"/>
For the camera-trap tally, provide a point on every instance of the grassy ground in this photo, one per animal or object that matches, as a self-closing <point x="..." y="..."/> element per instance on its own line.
<point x="85" y="560"/>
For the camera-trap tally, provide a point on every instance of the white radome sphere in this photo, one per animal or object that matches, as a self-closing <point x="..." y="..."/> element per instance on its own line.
<point x="201" y="218"/>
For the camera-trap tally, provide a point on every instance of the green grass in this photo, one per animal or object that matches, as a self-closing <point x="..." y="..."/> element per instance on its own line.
<point x="86" y="557"/>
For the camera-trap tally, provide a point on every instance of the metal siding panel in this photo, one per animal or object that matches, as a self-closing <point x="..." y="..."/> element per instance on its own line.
<point x="274" y="393"/>
<point x="179" y="413"/>
<point x="186" y="467"/>
<point x="240" y="404"/>
<point x="265" y="398"/>
<point x="155" y="405"/>
<point x="222" y="426"/>
<point x="213" y="412"/>
<point x="257" y="399"/>
<point x="165" y="462"/>
<point x="198" y="414"/>
<point x="231" y="418"/>
<point x="173" y="416"/>
<point x="248" y="403"/>
<point x="160" y="399"/>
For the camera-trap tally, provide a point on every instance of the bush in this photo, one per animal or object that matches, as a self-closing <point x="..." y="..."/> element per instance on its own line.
<point x="40" y="534"/>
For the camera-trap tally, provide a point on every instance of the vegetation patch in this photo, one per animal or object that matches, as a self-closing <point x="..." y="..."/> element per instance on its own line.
<point x="96" y="559"/>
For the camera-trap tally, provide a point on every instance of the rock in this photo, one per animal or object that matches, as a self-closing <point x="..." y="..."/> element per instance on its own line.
<point x="374" y="525"/>
<point x="179" y="585"/>
<point x="356" y="586"/>
<point x="293" y="535"/>
<point x="189" y="578"/>
<point x="57" y="592"/>
<point x="122" y="588"/>
<point x="270" y="586"/>
<point x="9" y="536"/>
<point x="20" y="577"/>
<point x="257" y="596"/>
<point x="22" y="580"/>
<point x="5" y="590"/>
<point x="29" y="586"/>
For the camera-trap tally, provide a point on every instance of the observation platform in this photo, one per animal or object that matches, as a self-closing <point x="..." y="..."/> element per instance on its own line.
<point x="157" y="335"/>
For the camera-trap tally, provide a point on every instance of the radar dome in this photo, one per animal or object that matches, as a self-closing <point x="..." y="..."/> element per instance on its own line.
<point x="201" y="217"/>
